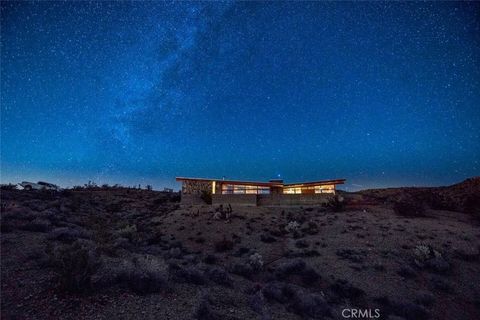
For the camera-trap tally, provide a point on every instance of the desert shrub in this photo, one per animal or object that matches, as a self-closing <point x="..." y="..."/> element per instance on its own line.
<point x="66" y="193"/>
<point x="292" y="226"/>
<point x="175" y="197"/>
<point x="409" y="310"/>
<point x="223" y="213"/>
<point x="267" y="238"/>
<point x="343" y="289"/>
<point x="210" y="259"/>
<point x="203" y="310"/>
<point x="9" y="186"/>
<point x="336" y="203"/>
<point x="186" y="275"/>
<point x="75" y="265"/>
<point x="277" y="291"/>
<point x="312" y="228"/>
<point x="302" y="302"/>
<point x="426" y="256"/>
<point x="67" y="234"/>
<point x="143" y="275"/>
<point x="159" y="201"/>
<point x="437" y="202"/>
<point x="257" y="303"/>
<point x="206" y="196"/>
<point x="219" y="276"/>
<point x="242" y="269"/>
<point x="114" y="207"/>
<point x="409" y="206"/>
<point x="223" y="245"/>
<point x="472" y="205"/>
<point x="256" y="261"/>
<point x="129" y="232"/>
<point x="37" y="225"/>
<point x="295" y="266"/>
<point x="308" y="304"/>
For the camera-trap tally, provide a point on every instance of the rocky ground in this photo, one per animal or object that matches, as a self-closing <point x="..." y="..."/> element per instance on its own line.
<point x="127" y="254"/>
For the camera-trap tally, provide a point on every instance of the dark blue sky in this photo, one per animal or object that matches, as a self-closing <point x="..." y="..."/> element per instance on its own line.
<point x="382" y="94"/>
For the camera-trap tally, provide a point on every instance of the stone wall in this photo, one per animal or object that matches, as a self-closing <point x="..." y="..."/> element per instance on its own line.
<point x="292" y="199"/>
<point x="235" y="199"/>
<point x="196" y="187"/>
<point x="271" y="199"/>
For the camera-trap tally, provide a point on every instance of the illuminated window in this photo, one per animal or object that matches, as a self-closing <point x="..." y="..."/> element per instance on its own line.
<point x="244" y="189"/>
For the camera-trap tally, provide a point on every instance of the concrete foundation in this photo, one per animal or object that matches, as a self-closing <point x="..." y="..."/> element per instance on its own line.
<point x="293" y="199"/>
<point x="261" y="199"/>
<point x="191" y="199"/>
<point x="235" y="199"/>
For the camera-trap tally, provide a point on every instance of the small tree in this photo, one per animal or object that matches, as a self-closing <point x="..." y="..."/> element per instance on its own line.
<point x="206" y="196"/>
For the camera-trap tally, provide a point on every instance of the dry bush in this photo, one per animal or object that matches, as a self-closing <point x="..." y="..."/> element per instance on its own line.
<point x="206" y="196"/>
<point x="336" y="203"/>
<point x="9" y="186"/>
<point x="66" y="234"/>
<point x="75" y="265"/>
<point x="219" y="276"/>
<point x="190" y="274"/>
<point x="436" y="201"/>
<point x="409" y="207"/>
<point x="223" y="245"/>
<point x="203" y="310"/>
<point x="144" y="274"/>
<point x="472" y="205"/>
<point x="37" y="225"/>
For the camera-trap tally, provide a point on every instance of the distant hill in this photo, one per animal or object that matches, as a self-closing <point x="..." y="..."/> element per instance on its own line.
<point x="463" y="196"/>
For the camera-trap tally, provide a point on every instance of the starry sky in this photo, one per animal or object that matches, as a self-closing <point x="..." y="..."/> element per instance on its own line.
<point x="382" y="94"/>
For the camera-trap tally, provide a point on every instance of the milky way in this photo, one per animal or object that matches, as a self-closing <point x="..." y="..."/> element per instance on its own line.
<point x="382" y="94"/>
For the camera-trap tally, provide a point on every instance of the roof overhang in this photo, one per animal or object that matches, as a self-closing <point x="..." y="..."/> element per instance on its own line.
<point x="265" y="184"/>
<point x="235" y="182"/>
<point x="315" y="183"/>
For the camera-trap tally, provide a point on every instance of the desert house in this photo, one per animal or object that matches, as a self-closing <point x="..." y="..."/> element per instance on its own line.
<point x="272" y="192"/>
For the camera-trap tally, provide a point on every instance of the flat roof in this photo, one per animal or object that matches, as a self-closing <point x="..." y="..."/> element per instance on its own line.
<point x="267" y="184"/>
<point x="247" y="183"/>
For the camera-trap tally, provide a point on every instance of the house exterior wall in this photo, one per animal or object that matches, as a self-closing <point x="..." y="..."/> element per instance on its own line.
<point x="292" y="199"/>
<point x="196" y="187"/>
<point x="271" y="199"/>
<point x="236" y="199"/>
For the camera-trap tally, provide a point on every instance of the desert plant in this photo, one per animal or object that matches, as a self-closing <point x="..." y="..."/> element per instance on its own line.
<point x="191" y="274"/>
<point x="9" y="186"/>
<point x="292" y="226"/>
<point x="75" y="265"/>
<point x="219" y="276"/>
<point x="128" y="232"/>
<point x="37" y="225"/>
<point x="90" y="185"/>
<point x="144" y="274"/>
<point x="256" y="261"/>
<point x="336" y="203"/>
<point x="409" y="206"/>
<point x="223" y="213"/>
<point x="472" y="205"/>
<point x="223" y="245"/>
<point x="206" y="196"/>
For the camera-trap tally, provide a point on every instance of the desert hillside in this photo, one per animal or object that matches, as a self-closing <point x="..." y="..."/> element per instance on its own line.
<point x="411" y="253"/>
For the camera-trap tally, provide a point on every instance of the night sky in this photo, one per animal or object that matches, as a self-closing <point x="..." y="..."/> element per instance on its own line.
<point x="382" y="94"/>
